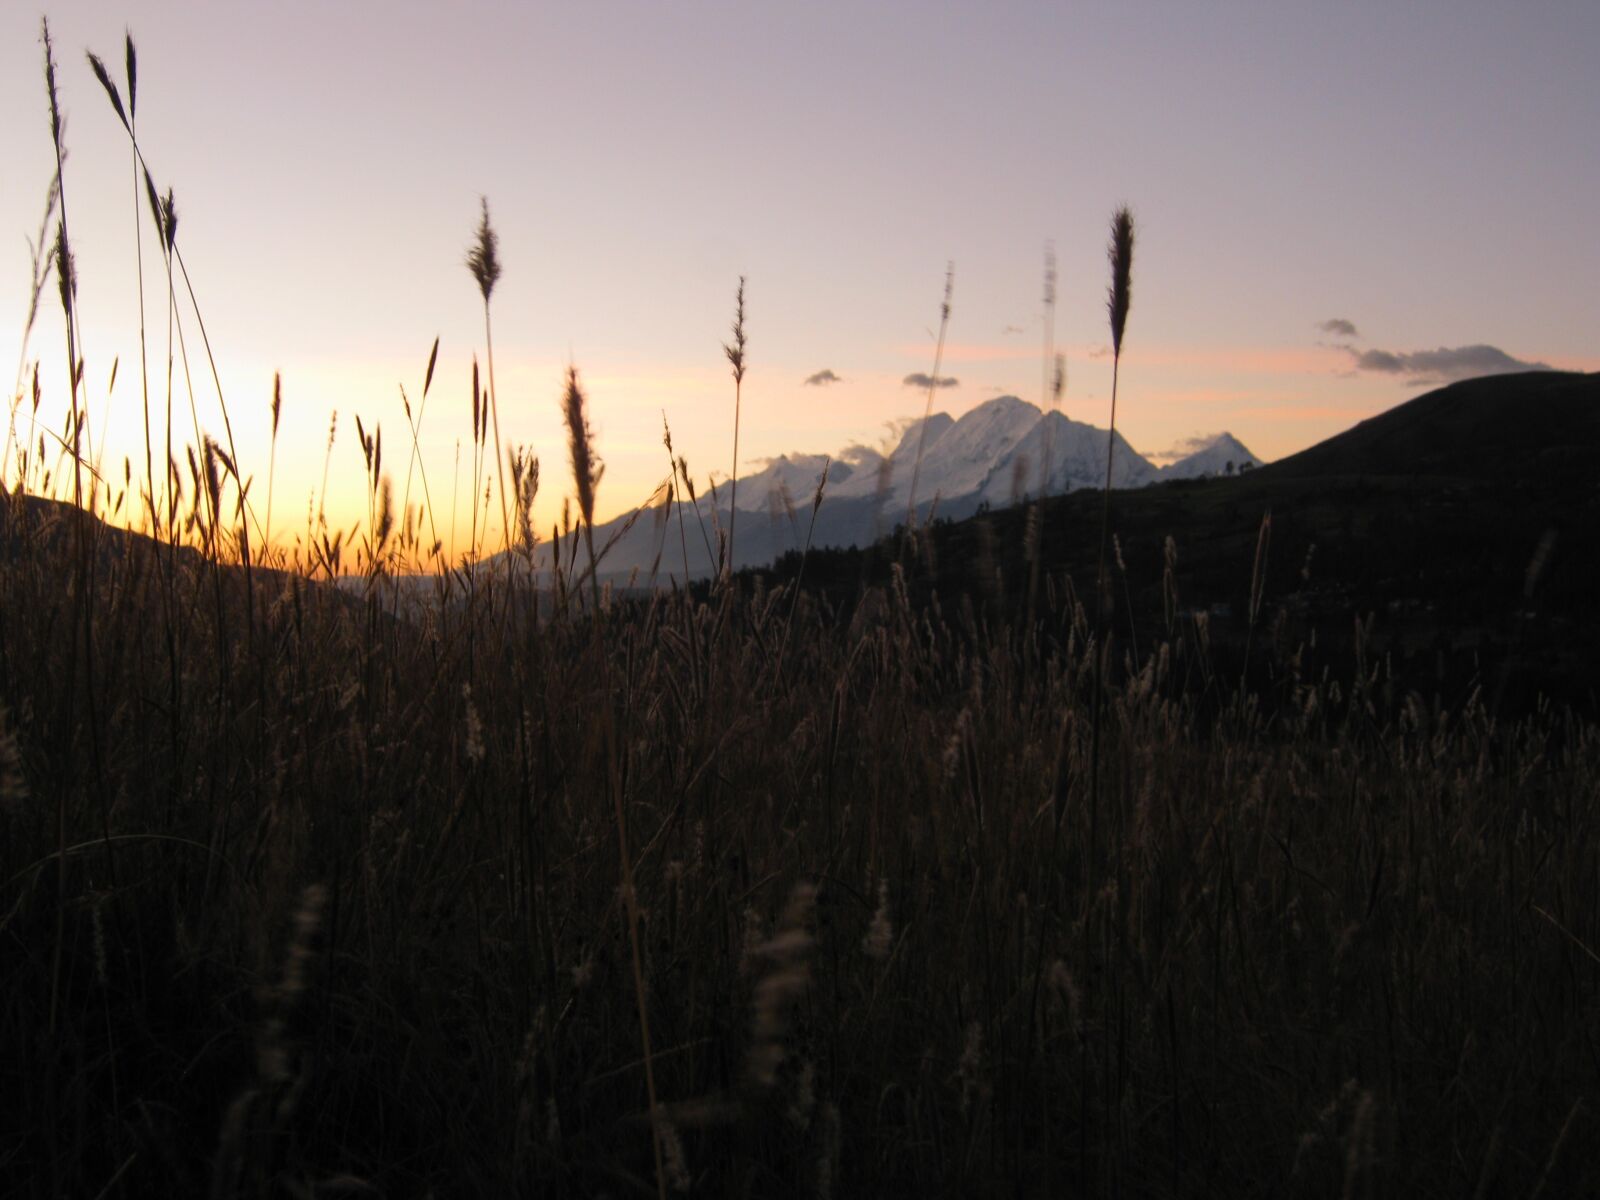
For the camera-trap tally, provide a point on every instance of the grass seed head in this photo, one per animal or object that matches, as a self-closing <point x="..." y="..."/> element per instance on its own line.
<point x="735" y="349"/>
<point x="1120" y="296"/>
<point x="169" y="221"/>
<point x="66" y="271"/>
<point x="586" y="465"/>
<point x="483" y="260"/>
<point x="100" y="73"/>
<point x="130" y="62"/>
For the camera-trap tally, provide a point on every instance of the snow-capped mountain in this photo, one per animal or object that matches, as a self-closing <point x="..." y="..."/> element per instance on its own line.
<point x="1210" y="456"/>
<point x="995" y="455"/>
<point x="889" y="476"/>
<point x="790" y="480"/>
<point x="1076" y="454"/>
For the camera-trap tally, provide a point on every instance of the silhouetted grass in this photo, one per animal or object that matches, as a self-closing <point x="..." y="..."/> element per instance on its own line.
<point x="378" y="886"/>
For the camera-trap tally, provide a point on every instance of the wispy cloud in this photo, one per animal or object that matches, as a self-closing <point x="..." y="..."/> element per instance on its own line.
<point x="1184" y="447"/>
<point x="922" y="379"/>
<point x="1339" y="327"/>
<point x="1181" y="448"/>
<point x="822" y="378"/>
<point x="1443" y="365"/>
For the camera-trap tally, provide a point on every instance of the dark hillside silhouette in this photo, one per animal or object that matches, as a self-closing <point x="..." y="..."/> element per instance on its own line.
<point x="1509" y="427"/>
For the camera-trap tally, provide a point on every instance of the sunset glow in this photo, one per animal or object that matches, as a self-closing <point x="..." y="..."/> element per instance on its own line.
<point x="325" y="215"/>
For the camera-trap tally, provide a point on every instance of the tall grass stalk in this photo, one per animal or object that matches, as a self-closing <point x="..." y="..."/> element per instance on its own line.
<point x="1237" y="994"/>
<point x="415" y="461"/>
<point x="735" y="352"/>
<point x="586" y="472"/>
<point x="1118" y="298"/>
<point x="272" y="460"/>
<point x="65" y="282"/>
<point x="41" y="264"/>
<point x="483" y="261"/>
<point x="672" y="483"/>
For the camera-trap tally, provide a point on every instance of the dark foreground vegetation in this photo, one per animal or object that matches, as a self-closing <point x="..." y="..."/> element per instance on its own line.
<point x="301" y="896"/>
<point x="936" y="871"/>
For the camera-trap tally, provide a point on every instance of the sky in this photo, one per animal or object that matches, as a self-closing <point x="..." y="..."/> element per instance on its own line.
<point x="1336" y="206"/>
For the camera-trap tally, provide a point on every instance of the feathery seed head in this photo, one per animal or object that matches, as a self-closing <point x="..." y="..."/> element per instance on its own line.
<point x="213" y="477"/>
<point x="130" y="60"/>
<point x="154" y="198"/>
<point x="525" y="488"/>
<point x="586" y="465"/>
<point x="385" y="511"/>
<point x="66" y="271"/>
<point x="735" y="349"/>
<point x="433" y="358"/>
<point x="100" y="73"/>
<point x="277" y="399"/>
<point x="50" y="83"/>
<point x="483" y="260"/>
<point x="1120" y="252"/>
<point x="169" y="221"/>
<point x="788" y="974"/>
<point x="475" y="399"/>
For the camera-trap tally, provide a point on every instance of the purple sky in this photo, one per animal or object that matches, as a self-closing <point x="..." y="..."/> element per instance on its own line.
<point x="1424" y="172"/>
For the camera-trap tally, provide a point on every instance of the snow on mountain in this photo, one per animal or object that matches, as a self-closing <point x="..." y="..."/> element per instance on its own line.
<point x="993" y="455"/>
<point x="1076" y="452"/>
<point x="1210" y="456"/>
<point x="962" y="460"/>
<point x="866" y="482"/>
<point x="957" y="455"/>
<point x="790" y="480"/>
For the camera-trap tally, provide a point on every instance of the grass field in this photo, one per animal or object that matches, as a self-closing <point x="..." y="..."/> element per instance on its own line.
<point x="512" y="886"/>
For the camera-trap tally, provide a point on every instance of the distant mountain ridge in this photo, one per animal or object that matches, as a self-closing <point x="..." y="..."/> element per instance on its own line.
<point x="994" y="455"/>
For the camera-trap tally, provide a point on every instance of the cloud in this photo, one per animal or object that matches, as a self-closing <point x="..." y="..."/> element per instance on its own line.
<point x="1339" y="327"/>
<point x="1444" y="365"/>
<point x="1184" y="447"/>
<point x="822" y="378"/>
<point x="922" y="379"/>
<point x="857" y="454"/>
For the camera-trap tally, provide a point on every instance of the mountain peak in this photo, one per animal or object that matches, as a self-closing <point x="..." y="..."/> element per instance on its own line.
<point x="1212" y="454"/>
